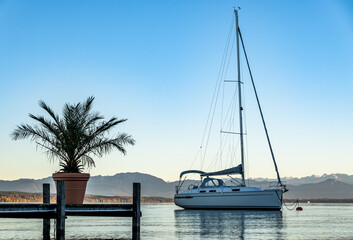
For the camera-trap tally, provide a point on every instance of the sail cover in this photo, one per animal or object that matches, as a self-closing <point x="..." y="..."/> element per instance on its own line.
<point x="233" y="170"/>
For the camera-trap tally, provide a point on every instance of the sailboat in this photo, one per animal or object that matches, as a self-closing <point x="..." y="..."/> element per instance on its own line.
<point x="214" y="193"/>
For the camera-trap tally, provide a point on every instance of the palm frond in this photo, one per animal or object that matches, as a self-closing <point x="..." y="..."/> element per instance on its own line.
<point x="87" y="161"/>
<point x="47" y="124"/>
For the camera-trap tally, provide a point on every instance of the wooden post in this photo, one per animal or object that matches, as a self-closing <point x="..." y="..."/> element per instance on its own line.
<point x="136" y="206"/>
<point x="46" y="221"/>
<point x="60" y="210"/>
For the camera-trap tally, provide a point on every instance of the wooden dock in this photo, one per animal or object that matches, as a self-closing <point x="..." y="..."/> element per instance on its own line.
<point x="60" y="211"/>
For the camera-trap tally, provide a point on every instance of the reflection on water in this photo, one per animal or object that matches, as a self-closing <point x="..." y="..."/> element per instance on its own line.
<point x="215" y="224"/>
<point x="167" y="221"/>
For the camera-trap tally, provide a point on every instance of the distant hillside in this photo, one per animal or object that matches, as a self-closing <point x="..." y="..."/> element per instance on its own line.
<point x="327" y="186"/>
<point x="121" y="184"/>
<point x="313" y="179"/>
<point x="25" y="185"/>
<point x="330" y="188"/>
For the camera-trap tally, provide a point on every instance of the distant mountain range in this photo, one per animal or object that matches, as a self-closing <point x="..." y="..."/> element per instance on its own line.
<point x="317" y="179"/>
<point x="332" y="186"/>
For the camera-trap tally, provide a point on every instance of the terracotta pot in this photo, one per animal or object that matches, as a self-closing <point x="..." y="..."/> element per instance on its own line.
<point x="75" y="186"/>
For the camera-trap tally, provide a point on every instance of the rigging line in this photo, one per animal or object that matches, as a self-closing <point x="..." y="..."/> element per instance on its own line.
<point x="233" y="102"/>
<point x="247" y="156"/>
<point x="234" y="153"/>
<point x="216" y="157"/>
<point x="228" y="138"/>
<point x="213" y="103"/>
<point x="226" y="71"/>
<point x="230" y="152"/>
<point x="201" y="154"/>
<point x="230" y="126"/>
<point x="220" y="77"/>
<point x="221" y="148"/>
<point x="220" y="133"/>
<point x="225" y="74"/>
<point x="210" y="127"/>
<point x="230" y="55"/>
<point x="197" y="154"/>
<point x="225" y="66"/>
<point x="233" y="150"/>
<point x="258" y="103"/>
<point x="235" y="147"/>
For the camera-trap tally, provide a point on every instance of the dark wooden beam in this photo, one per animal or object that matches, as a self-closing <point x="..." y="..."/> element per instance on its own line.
<point x="28" y="214"/>
<point x="60" y="210"/>
<point x="100" y="213"/>
<point x="136" y="206"/>
<point x="46" y="221"/>
<point x="99" y="206"/>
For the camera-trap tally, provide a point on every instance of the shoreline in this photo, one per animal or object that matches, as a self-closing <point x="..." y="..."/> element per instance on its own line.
<point x="25" y="197"/>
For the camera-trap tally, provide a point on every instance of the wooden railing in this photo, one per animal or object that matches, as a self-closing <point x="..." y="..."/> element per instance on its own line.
<point x="60" y="211"/>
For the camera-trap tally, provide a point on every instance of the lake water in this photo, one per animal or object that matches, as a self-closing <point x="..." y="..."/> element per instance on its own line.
<point x="166" y="221"/>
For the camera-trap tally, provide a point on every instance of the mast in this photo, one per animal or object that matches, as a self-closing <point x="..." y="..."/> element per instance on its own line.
<point x="240" y="103"/>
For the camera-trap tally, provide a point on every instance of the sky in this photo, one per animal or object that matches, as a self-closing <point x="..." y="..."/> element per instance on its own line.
<point x="156" y="63"/>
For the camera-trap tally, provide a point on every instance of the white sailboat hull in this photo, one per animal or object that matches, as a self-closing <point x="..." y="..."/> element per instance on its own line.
<point x="270" y="199"/>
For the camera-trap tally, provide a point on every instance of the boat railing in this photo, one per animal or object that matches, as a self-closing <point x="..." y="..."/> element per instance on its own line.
<point x="193" y="186"/>
<point x="277" y="184"/>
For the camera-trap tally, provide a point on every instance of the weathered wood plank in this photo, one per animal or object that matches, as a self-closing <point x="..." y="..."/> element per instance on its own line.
<point x="60" y="210"/>
<point x="98" y="206"/>
<point x="26" y="207"/>
<point x="137" y="211"/>
<point x="28" y="214"/>
<point x="38" y="210"/>
<point x="46" y="221"/>
<point x="100" y="213"/>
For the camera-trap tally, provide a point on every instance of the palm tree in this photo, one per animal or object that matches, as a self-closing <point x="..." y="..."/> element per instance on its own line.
<point x="75" y="137"/>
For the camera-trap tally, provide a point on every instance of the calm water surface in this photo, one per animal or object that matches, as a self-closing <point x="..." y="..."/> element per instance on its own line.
<point x="166" y="221"/>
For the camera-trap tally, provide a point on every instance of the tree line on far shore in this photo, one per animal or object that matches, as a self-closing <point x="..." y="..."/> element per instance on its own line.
<point x="23" y="197"/>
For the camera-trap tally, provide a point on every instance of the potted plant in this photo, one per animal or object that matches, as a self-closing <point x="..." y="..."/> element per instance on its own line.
<point x="72" y="139"/>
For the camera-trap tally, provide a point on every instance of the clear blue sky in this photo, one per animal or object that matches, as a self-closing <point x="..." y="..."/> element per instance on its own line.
<point x="156" y="63"/>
